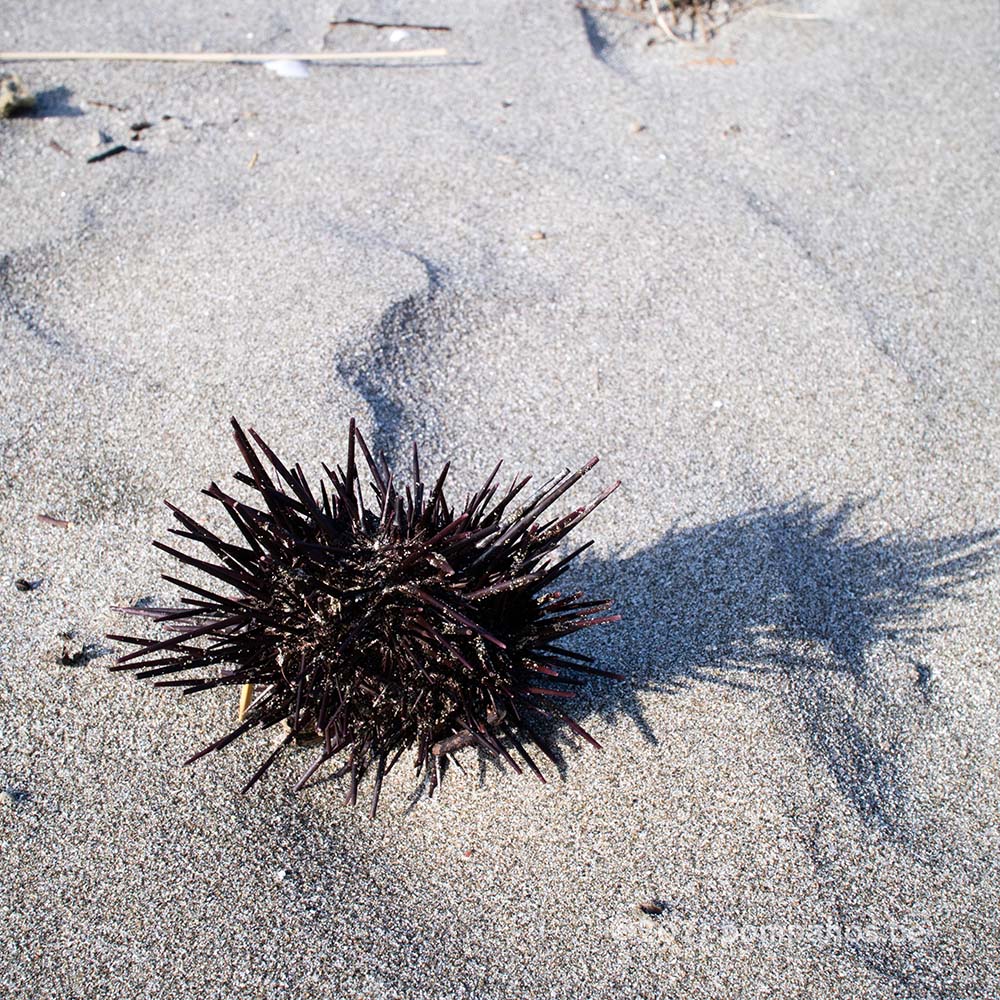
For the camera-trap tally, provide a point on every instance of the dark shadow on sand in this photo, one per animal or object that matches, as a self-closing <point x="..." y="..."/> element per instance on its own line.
<point x="791" y="598"/>
<point x="408" y="325"/>
<point x="55" y="103"/>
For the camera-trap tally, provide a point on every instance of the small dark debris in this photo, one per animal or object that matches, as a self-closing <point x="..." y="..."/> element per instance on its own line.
<point x="75" y="651"/>
<point x="17" y="796"/>
<point x="104" y="154"/>
<point x="652" y="907"/>
<point x="141" y="126"/>
<point x="384" y="25"/>
<point x="26" y="586"/>
<point x="56" y="522"/>
<point x="59" y="149"/>
<point x="107" y="104"/>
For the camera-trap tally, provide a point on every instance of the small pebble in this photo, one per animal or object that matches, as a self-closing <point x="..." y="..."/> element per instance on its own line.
<point x="291" y="69"/>
<point x="537" y="235"/>
<point x="14" y="95"/>
<point x="651" y="907"/>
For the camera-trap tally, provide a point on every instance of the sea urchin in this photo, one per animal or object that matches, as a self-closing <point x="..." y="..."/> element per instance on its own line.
<point x="375" y="629"/>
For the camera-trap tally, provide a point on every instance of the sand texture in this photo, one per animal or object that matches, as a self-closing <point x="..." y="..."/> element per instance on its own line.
<point x="767" y="296"/>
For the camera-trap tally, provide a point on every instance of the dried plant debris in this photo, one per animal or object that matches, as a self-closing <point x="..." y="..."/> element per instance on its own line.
<point x="379" y="620"/>
<point x="675" y="20"/>
<point x="54" y="522"/>
<point x="386" y="25"/>
<point x="14" y="95"/>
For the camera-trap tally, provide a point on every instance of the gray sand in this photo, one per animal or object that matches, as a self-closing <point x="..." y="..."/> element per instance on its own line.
<point x="772" y="311"/>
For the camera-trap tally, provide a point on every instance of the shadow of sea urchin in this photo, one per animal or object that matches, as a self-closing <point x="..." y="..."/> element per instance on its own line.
<point x="406" y="624"/>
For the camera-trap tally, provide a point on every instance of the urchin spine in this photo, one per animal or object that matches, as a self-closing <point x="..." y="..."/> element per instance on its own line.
<point x="377" y="628"/>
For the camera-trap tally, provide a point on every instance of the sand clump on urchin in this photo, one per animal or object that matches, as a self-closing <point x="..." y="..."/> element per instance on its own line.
<point x="403" y="625"/>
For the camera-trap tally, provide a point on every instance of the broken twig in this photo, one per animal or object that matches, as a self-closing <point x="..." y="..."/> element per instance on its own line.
<point x="56" y="522"/>
<point x="380" y="25"/>
<point x="246" y="696"/>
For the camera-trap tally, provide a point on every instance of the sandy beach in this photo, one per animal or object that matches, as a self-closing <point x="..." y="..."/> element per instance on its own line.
<point x="758" y="277"/>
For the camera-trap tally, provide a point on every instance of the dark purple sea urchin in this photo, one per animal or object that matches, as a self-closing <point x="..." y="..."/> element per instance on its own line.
<point x="374" y="630"/>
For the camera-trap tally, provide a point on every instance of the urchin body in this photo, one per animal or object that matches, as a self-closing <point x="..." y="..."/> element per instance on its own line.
<point x="377" y="628"/>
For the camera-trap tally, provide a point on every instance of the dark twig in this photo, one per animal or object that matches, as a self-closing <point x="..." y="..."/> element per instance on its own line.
<point x="382" y="25"/>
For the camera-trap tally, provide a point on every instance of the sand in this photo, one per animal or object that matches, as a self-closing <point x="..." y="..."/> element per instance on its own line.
<point x="767" y="296"/>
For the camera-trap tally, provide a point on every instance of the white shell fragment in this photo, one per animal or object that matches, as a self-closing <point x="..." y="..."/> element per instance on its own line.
<point x="293" y="69"/>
